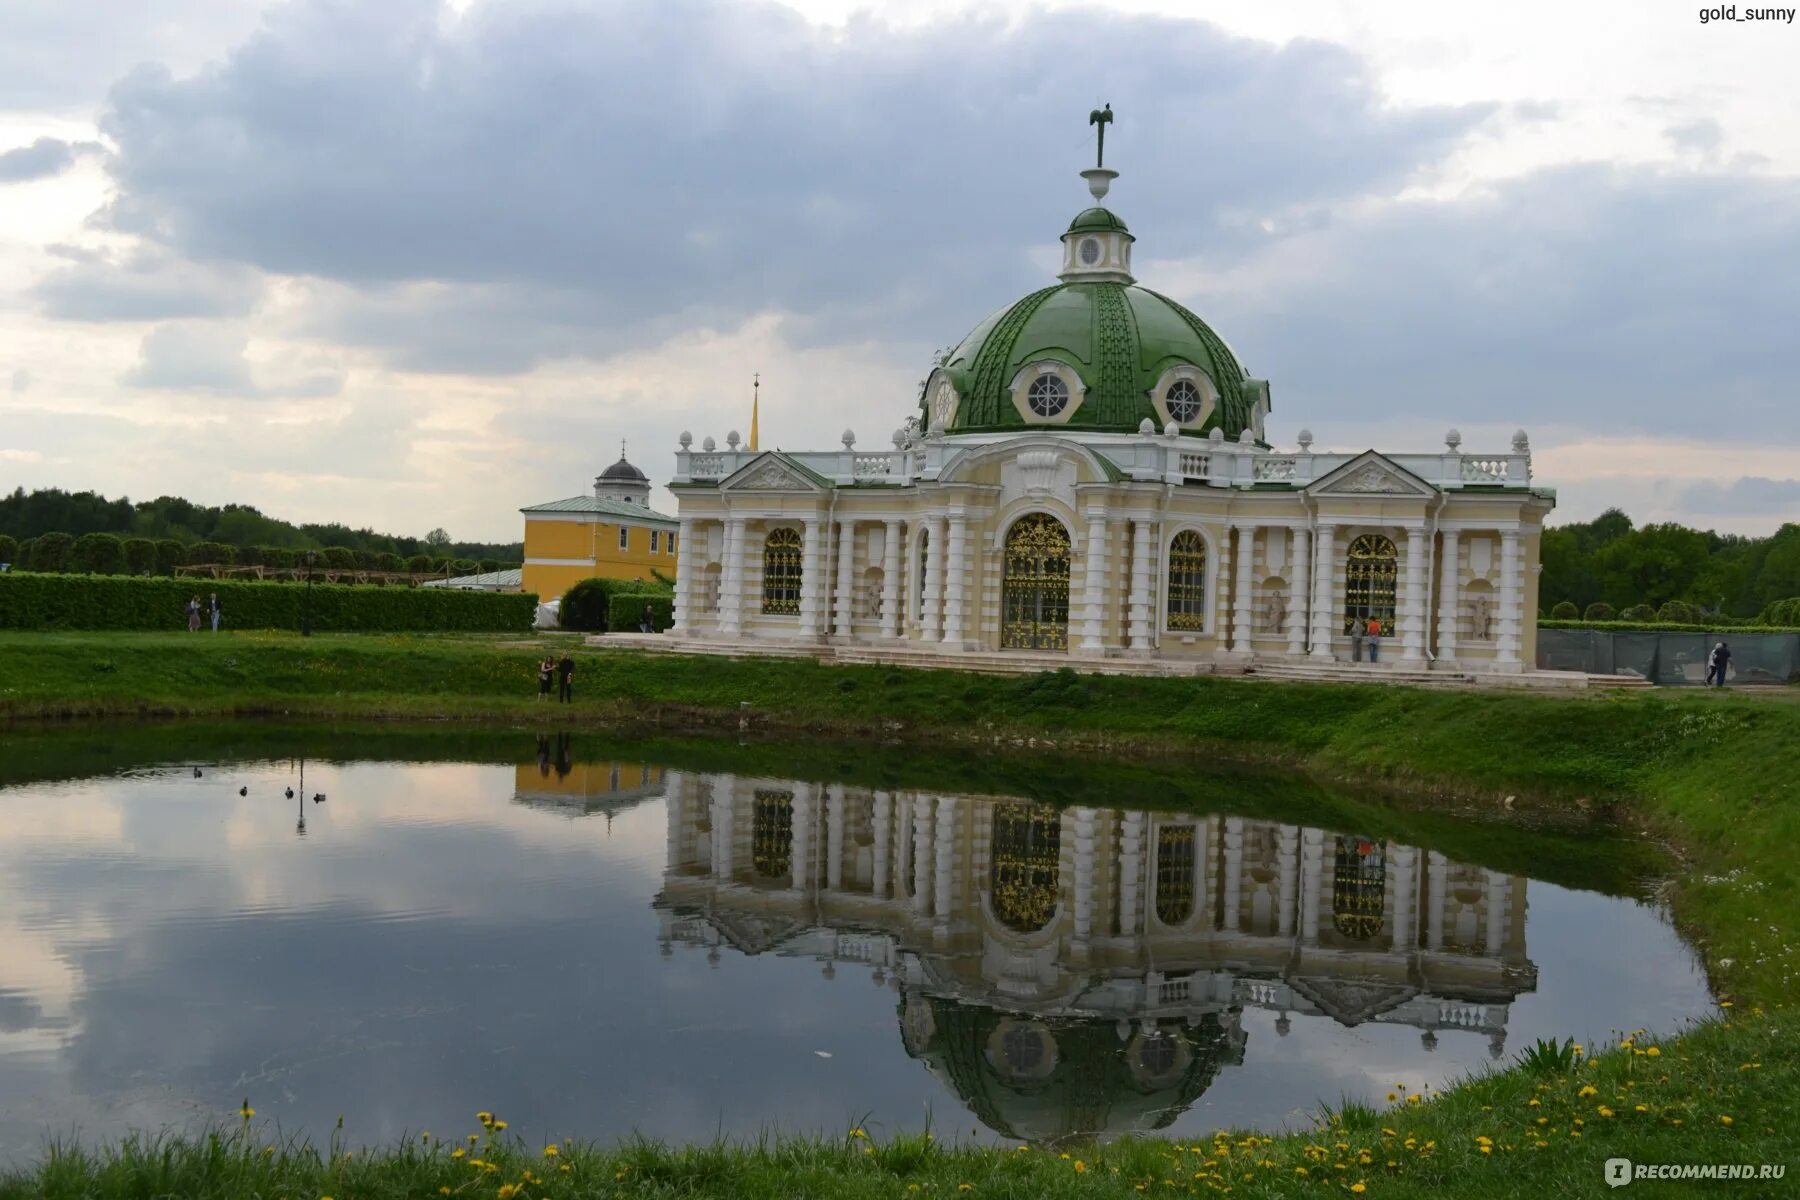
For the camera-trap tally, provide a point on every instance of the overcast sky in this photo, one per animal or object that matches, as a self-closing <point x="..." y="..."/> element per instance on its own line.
<point x="420" y="262"/>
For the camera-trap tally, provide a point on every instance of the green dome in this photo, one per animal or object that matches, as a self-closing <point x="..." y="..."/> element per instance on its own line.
<point x="1118" y="338"/>
<point x="1098" y="220"/>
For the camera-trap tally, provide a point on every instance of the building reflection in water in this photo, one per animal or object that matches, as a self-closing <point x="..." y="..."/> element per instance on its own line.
<point x="583" y="789"/>
<point x="1084" y="971"/>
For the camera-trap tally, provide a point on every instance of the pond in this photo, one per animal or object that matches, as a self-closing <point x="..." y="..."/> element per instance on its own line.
<point x="594" y="939"/>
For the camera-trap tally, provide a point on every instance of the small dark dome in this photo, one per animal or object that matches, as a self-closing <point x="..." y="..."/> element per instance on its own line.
<point x="623" y="472"/>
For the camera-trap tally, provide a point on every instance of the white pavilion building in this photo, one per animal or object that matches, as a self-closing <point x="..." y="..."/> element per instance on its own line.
<point x="1089" y="474"/>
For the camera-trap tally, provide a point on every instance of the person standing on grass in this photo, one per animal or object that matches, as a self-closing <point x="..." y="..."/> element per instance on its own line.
<point x="1721" y="658"/>
<point x="1356" y="639"/>
<point x="546" y="670"/>
<point x="213" y="607"/>
<point x="193" y="612"/>
<point x="565" y="676"/>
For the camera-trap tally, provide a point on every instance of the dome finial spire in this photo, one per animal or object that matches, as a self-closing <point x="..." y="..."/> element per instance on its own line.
<point x="1100" y="176"/>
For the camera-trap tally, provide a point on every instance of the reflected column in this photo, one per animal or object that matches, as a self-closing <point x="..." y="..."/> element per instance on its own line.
<point x="884" y="830"/>
<point x="1082" y="821"/>
<point x="1497" y="888"/>
<point x="1287" y="845"/>
<point x="835" y="806"/>
<point x="1131" y="871"/>
<point x="1406" y="890"/>
<point x="1438" y="868"/>
<point x="921" y="823"/>
<point x="1234" y="871"/>
<point x="1312" y="869"/>
<point x="724" y="796"/>
<point x="801" y="847"/>
<point x="944" y="898"/>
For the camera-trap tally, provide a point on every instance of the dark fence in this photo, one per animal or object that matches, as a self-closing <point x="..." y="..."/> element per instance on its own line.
<point x="1670" y="658"/>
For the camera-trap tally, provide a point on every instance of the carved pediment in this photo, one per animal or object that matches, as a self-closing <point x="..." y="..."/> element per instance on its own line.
<point x="1350" y="1001"/>
<point x="770" y="473"/>
<point x="1370" y="474"/>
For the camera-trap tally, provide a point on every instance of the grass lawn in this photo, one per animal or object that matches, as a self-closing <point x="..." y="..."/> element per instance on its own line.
<point x="1714" y="777"/>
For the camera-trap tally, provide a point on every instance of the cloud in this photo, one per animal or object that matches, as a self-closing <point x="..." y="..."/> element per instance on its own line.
<point x="210" y="357"/>
<point x="597" y="170"/>
<point x="43" y="158"/>
<point x="146" y="284"/>
<point x="1704" y="135"/>
<point x="1749" y="494"/>
<point x="21" y="380"/>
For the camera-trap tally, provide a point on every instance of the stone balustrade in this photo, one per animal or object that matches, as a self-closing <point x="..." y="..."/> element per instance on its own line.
<point x="1149" y="457"/>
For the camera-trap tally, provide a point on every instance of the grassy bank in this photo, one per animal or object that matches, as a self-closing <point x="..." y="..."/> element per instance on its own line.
<point x="1722" y="1094"/>
<point x="1716" y="777"/>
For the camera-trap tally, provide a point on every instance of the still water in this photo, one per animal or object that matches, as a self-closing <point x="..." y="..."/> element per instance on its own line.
<point x="595" y="947"/>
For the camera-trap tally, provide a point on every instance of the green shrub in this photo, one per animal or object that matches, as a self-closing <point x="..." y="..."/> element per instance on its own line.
<point x="169" y="555"/>
<point x="626" y="610"/>
<point x="488" y="565"/>
<point x="252" y="556"/>
<point x="51" y="552"/>
<point x="587" y="604"/>
<point x="1680" y="612"/>
<point x="98" y="554"/>
<point x="37" y="601"/>
<point x="338" y="558"/>
<point x="419" y="564"/>
<point x="1600" y="610"/>
<point x="9" y="548"/>
<point x="1564" y="610"/>
<point x="387" y="561"/>
<point x="140" y="556"/>
<point x="1639" y="613"/>
<point x="1781" y="612"/>
<point x="211" y="554"/>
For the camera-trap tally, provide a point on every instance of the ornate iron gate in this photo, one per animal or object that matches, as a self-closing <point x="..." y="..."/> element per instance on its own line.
<point x="1371" y="580"/>
<point x="1035" y="596"/>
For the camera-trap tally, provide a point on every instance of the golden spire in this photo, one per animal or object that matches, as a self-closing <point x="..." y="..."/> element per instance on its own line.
<point x="755" y="403"/>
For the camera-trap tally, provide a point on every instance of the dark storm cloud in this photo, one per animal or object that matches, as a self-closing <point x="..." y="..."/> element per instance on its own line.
<point x="1621" y="299"/>
<point x="600" y="168"/>
<point x="42" y="159"/>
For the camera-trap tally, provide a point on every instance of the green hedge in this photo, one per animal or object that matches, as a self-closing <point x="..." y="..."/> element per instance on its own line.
<point x="36" y="601"/>
<point x="1666" y="627"/>
<point x="627" y="610"/>
<point x="587" y="605"/>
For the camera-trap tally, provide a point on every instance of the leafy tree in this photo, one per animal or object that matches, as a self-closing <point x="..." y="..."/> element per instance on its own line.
<point x="419" y="564"/>
<point x="169" y="553"/>
<point x="388" y="561"/>
<point x="1599" y="610"/>
<point x="140" y="556"/>
<point x="98" y="554"/>
<point x="1680" y="612"/>
<point x="585" y="606"/>
<point x="9" y="548"/>
<point x="487" y="565"/>
<point x="340" y="558"/>
<point x="438" y="541"/>
<point x="52" y="552"/>
<point x="211" y="554"/>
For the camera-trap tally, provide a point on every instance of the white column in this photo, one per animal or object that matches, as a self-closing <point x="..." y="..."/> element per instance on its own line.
<point x="1234" y="872"/>
<point x="684" y="577"/>
<point x="1299" y="608"/>
<point x="1436" y="890"/>
<point x="1093" y="597"/>
<point x="1287" y="844"/>
<point x="812" y="578"/>
<point x="1083" y="821"/>
<point x="801" y="858"/>
<point x="1412" y="636"/>
<point x="944" y="901"/>
<point x="1324" y="609"/>
<point x="884" y="841"/>
<point x="835" y="804"/>
<point x="955" y="579"/>
<point x="1406" y="890"/>
<point x="846" y="578"/>
<point x="891" y="582"/>
<point x="731" y="580"/>
<point x="1497" y="887"/>
<point x="1449" y="598"/>
<point x="921" y="864"/>
<point x="1242" y="596"/>
<point x="1312" y="869"/>
<point x="931" y="620"/>
<point x="1131" y="872"/>
<point x="1512" y="601"/>
<point x="724" y="808"/>
<point x="1140" y="585"/>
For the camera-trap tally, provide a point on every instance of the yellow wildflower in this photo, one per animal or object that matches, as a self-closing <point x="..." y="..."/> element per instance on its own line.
<point x="1386" y="1132"/>
<point x="565" y="1167"/>
<point x="486" y="1118"/>
<point x="858" y="1133"/>
<point x="459" y="1152"/>
<point x="1654" y="1052"/>
<point x="1724" y="1120"/>
<point x="1301" y="1171"/>
<point x="551" y="1151"/>
<point x="498" y="1125"/>
<point x="965" y="1187"/>
<point x="1392" y="1097"/>
<point x="246" y="1111"/>
<point x="1080" y="1167"/>
<point x="1359" y="1187"/>
<point x="508" y="1191"/>
<point x="1588" y="1090"/>
<point x="1604" y="1111"/>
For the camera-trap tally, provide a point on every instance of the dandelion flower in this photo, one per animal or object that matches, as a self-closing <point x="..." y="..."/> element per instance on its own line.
<point x="498" y="1125"/>
<point x="1653" y="1051"/>
<point x="1588" y="1090"/>
<point x="1081" y="1167"/>
<point x="247" y="1112"/>
<point x="1392" y="1097"/>
<point x="551" y="1151"/>
<point x="858" y="1133"/>
<point x="1359" y="1187"/>
<point x="965" y="1187"/>
<point x="459" y="1152"/>
<point x="1724" y="1120"/>
<point x="486" y="1118"/>
<point x="1604" y="1111"/>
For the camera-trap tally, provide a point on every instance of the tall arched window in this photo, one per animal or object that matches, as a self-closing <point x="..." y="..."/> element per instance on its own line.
<point x="781" y="572"/>
<point x="1358" y="887"/>
<point x="1187" y="582"/>
<point x="1371" y="573"/>
<point x="1174" y="873"/>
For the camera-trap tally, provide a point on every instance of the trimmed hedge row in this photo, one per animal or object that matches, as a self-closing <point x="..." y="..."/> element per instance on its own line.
<point x="35" y="601"/>
<point x="1665" y="627"/>
<point x="627" y="611"/>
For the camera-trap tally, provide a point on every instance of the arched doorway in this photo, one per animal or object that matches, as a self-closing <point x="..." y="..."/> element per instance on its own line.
<point x="1371" y="574"/>
<point x="1035" y="595"/>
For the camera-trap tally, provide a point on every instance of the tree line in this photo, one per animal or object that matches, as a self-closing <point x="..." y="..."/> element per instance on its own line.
<point x="1606" y="568"/>
<point x="110" y="554"/>
<point x="28" y="516"/>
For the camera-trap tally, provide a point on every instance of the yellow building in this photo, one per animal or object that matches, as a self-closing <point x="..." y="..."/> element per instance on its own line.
<point x="613" y="534"/>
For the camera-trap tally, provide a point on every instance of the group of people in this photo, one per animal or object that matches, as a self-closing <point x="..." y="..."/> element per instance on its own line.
<point x="212" y="610"/>
<point x="1365" y="630"/>
<point x="1716" y="664"/>
<point x="561" y="673"/>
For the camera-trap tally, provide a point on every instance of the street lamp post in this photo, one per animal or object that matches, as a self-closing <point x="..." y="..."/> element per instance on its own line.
<point x="306" y="602"/>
